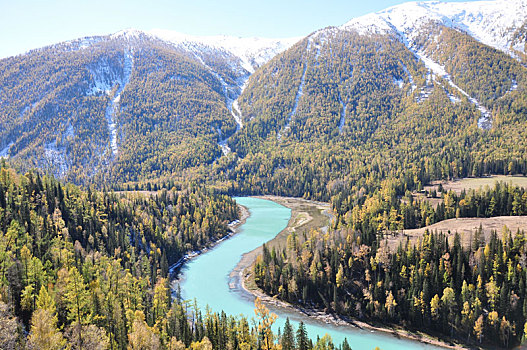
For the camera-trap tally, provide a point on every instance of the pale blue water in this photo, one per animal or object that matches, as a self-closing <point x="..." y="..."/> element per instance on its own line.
<point x="206" y="279"/>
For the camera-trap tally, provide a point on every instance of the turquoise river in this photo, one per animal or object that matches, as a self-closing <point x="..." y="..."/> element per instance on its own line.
<point x="206" y="279"/>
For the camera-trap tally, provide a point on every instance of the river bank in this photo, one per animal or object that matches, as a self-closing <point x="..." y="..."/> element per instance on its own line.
<point x="234" y="226"/>
<point x="304" y="217"/>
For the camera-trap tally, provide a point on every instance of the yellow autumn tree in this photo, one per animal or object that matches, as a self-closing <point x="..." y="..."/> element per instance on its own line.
<point x="479" y="327"/>
<point x="142" y="337"/>
<point x="390" y="304"/>
<point x="44" y="334"/>
<point x="266" y="320"/>
<point x="434" y="307"/>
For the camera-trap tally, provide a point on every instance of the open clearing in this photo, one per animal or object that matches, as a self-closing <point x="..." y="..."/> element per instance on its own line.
<point x="459" y="185"/>
<point x="479" y="182"/>
<point x="464" y="226"/>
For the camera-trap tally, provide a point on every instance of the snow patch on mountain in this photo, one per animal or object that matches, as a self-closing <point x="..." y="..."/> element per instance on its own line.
<point x="514" y="85"/>
<point x="129" y="34"/>
<point x="86" y="42"/>
<point x="235" y="108"/>
<point x="114" y="105"/>
<point x="342" y="114"/>
<point x="454" y="99"/>
<point x="253" y="52"/>
<point x="484" y="122"/>
<point x="236" y="112"/>
<point x="299" y="94"/>
<point x="371" y="23"/>
<point x="231" y="94"/>
<point x="398" y="82"/>
<point x="410" y="78"/>
<point x="70" y="132"/>
<point x="225" y="149"/>
<point x="315" y="42"/>
<point x="493" y="23"/>
<point x="104" y="76"/>
<point x="424" y="93"/>
<point x="4" y="153"/>
<point x="55" y="158"/>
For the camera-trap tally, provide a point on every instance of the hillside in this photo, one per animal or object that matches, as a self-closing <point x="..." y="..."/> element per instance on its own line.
<point x="387" y="94"/>
<point x="124" y="106"/>
<point x="421" y="91"/>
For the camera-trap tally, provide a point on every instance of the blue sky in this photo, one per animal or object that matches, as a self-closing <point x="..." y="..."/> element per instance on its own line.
<point x="28" y="24"/>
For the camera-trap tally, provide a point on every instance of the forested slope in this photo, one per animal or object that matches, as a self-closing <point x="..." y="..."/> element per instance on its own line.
<point x="90" y="262"/>
<point x="348" y="108"/>
<point x="475" y="291"/>
<point x="123" y="107"/>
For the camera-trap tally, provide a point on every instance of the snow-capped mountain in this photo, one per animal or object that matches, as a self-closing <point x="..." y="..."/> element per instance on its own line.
<point x="253" y="52"/>
<point x="467" y="56"/>
<point x="495" y="23"/>
<point x="112" y="70"/>
<point x="501" y="24"/>
<point x="136" y="103"/>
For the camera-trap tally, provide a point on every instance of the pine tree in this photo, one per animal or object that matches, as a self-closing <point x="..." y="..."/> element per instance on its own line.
<point x="288" y="339"/>
<point x="302" y="341"/>
<point x="77" y="299"/>
<point x="345" y="345"/>
<point x="449" y="303"/>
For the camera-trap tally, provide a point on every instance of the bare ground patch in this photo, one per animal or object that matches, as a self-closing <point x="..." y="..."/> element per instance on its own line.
<point x="464" y="226"/>
<point x="478" y="182"/>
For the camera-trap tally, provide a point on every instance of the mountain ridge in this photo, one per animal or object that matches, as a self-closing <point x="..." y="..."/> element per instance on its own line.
<point x="490" y="22"/>
<point x="161" y="103"/>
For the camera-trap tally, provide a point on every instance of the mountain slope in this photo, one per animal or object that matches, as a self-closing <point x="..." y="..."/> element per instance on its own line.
<point x="123" y="105"/>
<point x="499" y="24"/>
<point x="386" y="92"/>
<point x="438" y="87"/>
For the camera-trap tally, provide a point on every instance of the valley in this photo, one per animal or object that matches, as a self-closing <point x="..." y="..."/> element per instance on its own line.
<point x="232" y="298"/>
<point x="160" y="190"/>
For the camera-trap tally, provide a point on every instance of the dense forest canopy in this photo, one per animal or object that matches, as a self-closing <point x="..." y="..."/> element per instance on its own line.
<point x="89" y="270"/>
<point x="92" y="262"/>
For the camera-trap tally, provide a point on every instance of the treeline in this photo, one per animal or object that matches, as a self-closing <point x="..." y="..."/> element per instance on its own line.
<point x="92" y="266"/>
<point x="474" y="293"/>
